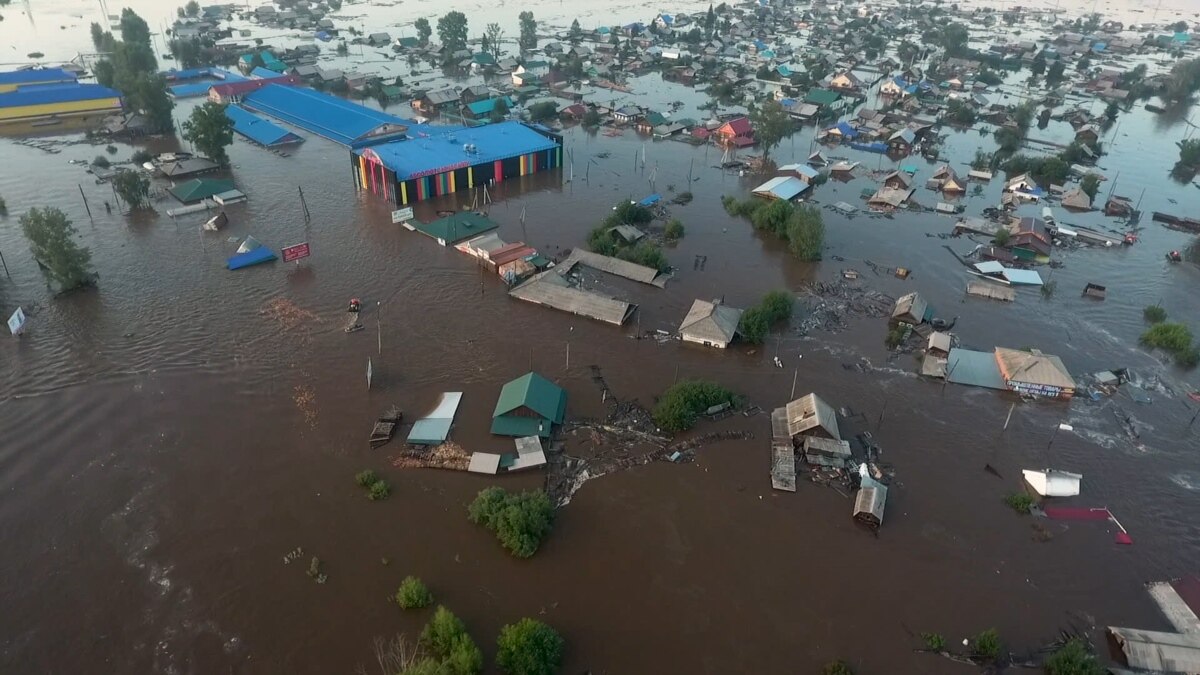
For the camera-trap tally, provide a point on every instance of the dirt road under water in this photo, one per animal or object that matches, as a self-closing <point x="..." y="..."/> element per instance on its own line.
<point x="168" y="441"/>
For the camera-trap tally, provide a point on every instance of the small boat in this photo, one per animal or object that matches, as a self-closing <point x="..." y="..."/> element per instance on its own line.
<point x="1175" y="256"/>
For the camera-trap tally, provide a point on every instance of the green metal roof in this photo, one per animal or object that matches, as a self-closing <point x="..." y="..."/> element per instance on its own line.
<point x="512" y="425"/>
<point x="822" y="96"/>
<point x="458" y="227"/>
<point x="532" y="391"/>
<point x="200" y="188"/>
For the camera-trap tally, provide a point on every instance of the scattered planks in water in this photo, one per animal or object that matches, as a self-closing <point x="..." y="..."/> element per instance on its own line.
<point x="448" y="455"/>
<point x="385" y="427"/>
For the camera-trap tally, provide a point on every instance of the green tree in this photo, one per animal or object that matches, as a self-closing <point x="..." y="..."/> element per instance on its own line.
<point x="454" y="652"/>
<point x="499" y="111"/>
<point x="133" y="187"/>
<point x="986" y="644"/>
<point x="135" y="31"/>
<point x="494" y="34"/>
<point x="413" y="594"/>
<point x="452" y="31"/>
<point x="959" y="111"/>
<point x="775" y="308"/>
<point x="1008" y="139"/>
<point x="442" y="631"/>
<point x="528" y="37"/>
<point x="674" y="230"/>
<point x="710" y="22"/>
<point x="188" y="52"/>
<point x="1039" y="64"/>
<point x="1073" y="659"/>
<point x="1090" y="185"/>
<point x="1055" y="74"/>
<point x="210" y="130"/>
<point x="1111" y="111"/>
<point x="51" y="238"/>
<point x="806" y="233"/>
<point x="576" y="30"/>
<point x="591" y="118"/>
<point x="1189" y="152"/>
<point x="678" y="407"/>
<point x="772" y="124"/>
<point x="529" y="647"/>
<point x="424" y="30"/>
<point x="838" y="667"/>
<point x="542" y="111"/>
<point x="520" y="521"/>
<point x="952" y="37"/>
<point x="335" y="5"/>
<point x="98" y="36"/>
<point x="192" y="8"/>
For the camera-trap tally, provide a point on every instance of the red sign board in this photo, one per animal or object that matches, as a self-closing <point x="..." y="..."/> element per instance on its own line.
<point x="295" y="252"/>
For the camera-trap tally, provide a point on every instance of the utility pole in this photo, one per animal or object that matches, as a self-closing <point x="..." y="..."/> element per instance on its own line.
<point x="85" y="202"/>
<point x="379" y="324"/>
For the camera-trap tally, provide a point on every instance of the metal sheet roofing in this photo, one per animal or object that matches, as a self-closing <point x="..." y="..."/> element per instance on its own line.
<point x="534" y="392"/>
<point x="459" y="148"/>
<point x="978" y="369"/>
<point x="1033" y="367"/>
<point x="457" y="227"/>
<point x="200" y="188"/>
<point x="709" y="322"/>
<point x="435" y="427"/>
<point x="329" y="116"/>
<point x="257" y="129"/>
<point x="781" y="187"/>
<point x="551" y="290"/>
<point x="201" y="88"/>
<point x="56" y="93"/>
<point x="34" y="75"/>
<point x="810" y="412"/>
<point x="1158" y="651"/>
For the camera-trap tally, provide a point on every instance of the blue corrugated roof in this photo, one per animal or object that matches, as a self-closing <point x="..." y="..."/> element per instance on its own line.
<point x="36" y="75"/>
<point x="55" y="93"/>
<point x="257" y="129"/>
<point x="978" y="369"/>
<point x="328" y="116"/>
<point x="486" y="106"/>
<point x="443" y="151"/>
<point x="263" y="73"/>
<point x="211" y="77"/>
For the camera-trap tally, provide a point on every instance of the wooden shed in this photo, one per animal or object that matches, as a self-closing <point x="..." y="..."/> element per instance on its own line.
<point x="870" y="502"/>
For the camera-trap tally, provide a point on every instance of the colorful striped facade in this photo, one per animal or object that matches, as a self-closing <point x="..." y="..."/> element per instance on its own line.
<point x="372" y="175"/>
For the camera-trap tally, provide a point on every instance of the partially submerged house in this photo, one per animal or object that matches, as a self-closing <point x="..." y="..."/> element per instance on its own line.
<point x="1034" y="373"/>
<point x="529" y="406"/>
<point x="785" y="188"/>
<point x="910" y="309"/>
<point x="736" y="132"/>
<point x="811" y="416"/>
<point x="712" y="324"/>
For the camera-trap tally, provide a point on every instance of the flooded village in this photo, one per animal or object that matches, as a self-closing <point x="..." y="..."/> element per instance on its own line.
<point x="769" y="336"/>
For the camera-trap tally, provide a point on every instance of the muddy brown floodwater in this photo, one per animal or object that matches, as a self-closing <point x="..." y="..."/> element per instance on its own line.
<point x="168" y="439"/>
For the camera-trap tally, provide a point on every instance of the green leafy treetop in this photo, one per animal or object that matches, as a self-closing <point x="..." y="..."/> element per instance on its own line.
<point x="529" y="647"/>
<point x="51" y="238"/>
<point x="519" y="520"/>
<point x="210" y="130"/>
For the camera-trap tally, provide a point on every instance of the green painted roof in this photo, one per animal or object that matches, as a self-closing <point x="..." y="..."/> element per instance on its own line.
<point x="512" y="425"/>
<point x="200" y="188"/>
<point x="532" y="391"/>
<point x="822" y="96"/>
<point x="655" y="119"/>
<point x="458" y="227"/>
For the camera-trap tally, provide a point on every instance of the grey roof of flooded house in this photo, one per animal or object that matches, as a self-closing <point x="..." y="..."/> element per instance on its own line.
<point x="814" y="445"/>
<point x="910" y="305"/>
<point x="710" y="322"/>
<point x="550" y="289"/>
<point x="621" y="268"/>
<point x="809" y="413"/>
<point x="977" y="369"/>
<point x="1158" y="651"/>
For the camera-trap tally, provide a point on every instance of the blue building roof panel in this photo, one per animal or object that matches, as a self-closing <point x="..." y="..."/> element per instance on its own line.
<point x="446" y="151"/>
<point x="55" y="93"/>
<point x="31" y="75"/>
<point x="322" y="114"/>
<point x="257" y="129"/>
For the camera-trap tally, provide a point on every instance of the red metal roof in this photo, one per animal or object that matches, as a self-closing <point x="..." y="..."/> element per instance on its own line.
<point x="736" y="127"/>
<point x="246" y="86"/>
<point x="507" y="254"/>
